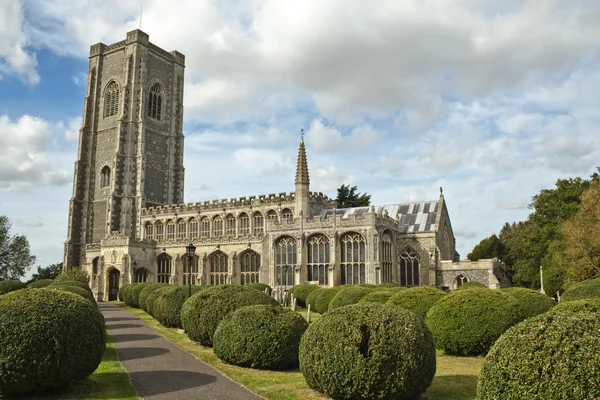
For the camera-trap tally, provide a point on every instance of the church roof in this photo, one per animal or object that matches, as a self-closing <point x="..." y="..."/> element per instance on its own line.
<point x="412" y="217"/>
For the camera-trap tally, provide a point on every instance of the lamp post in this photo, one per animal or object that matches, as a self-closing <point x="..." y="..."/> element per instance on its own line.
<point x="190" y="250"/>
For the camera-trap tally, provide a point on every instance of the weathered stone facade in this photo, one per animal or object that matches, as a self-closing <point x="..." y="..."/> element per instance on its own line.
<point x="127" y="222"/>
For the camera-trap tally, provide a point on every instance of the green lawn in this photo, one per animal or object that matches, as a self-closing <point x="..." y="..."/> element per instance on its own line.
<point x="456" y="377"/>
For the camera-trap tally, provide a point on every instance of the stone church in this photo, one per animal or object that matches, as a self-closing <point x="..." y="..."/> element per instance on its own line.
<point x="128" y="222"/>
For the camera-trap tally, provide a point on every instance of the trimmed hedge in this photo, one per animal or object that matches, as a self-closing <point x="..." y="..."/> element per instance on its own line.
<point x="167" y="306"/>
<point x="380" y="296"/>
<point x="48" y="339"/>
<point x="201" y="313"/>
<point x="471" y="285"/>
<point x="468" y="322"/>
<point x="387" y="285"/>
<point x="551" y="356"/>
<point x="531" y="301"/>
<point x="589" y="305"/>
<point x="259" y="286"/>
<point x="153" y="296"/>
<point x="128" y="293"/>
<point x="72" y="283"/>
<point x="368" y="351"/>
<point x="417" y="299"/>
<point x="135" y="292"/>
<point x="40" y="283"/>
<point x="301" y="292"/>
<point x="121" y="290"/>
<point x="260" y="336"/>
<point x="145" y="293"/>
<point x="86" y="294"/>
<point x="310" y="299"/>
<point x="348" y="295"/>
<point x="11" y="285"/>
<point x="323" y="298"/>
<point x="582" y="290"/>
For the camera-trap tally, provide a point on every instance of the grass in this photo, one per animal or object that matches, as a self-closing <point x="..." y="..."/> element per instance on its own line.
<point x="110" y="381"/>
<point x="456" y="377"/>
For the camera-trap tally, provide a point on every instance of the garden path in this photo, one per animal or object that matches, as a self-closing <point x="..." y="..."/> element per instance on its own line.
<point x="160" y="370"/>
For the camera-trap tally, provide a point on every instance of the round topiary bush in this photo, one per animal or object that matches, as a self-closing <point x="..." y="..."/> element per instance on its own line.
<point x="324" y="297"/>
<point x="471" y="285"/>
<point x="86" y="294"/>
<point x="167" y="306"/>
<point x="531" y="301"/>
<point x="136" y="290"/>
<point x="260" y="286"/>
<point x="121" y="290"/>
<point x="40" y="283"/>
<point x="72" y="283"/>
<point x="417" y="299"/>
<point x="368" y="351"/>
<point x="201" y="313"/>
<point x="582" y="290"/>
<point x="145" y="293"/>
<point x="468" y="322"/>
<point x="551" y="356"/>
<point x="379" y="296"/>
<point x="589" y="305"/>
<point x="310" y="299"/>
<point x="128" y="294"/>
<point x="348" y="295"/>
<point x="11" y="285"/>
<point x="301" y="292"/>
<point x="260" y="336"/>
<point x="48" y="339"/>
<point x="153" y="296"/>
<point x="387" y="285"/>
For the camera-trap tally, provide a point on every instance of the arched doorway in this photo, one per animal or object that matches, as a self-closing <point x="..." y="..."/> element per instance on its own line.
<point x="113" y="284"/>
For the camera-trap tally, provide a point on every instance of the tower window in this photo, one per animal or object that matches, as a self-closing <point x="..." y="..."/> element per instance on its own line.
<point x="155" y="99"/>
<point x="111" y="99"/>
<point x="105" y="177"/>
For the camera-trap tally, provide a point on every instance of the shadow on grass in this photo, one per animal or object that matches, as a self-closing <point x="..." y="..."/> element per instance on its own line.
<point x="134" y="353"/>
<point x="132" y="337"/>
<point x="150" y="383"/>
<point x="453" y="387"/>
<point x="123" y="326"/>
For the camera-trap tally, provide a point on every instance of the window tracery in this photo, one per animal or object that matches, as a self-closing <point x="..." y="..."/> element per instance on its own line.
<point x="193" y="228"/>
<point x="105" y="176"/>
<point x="186" y="272"/>
<point x="386" y="258"/>
<point x="218" y="268"/>
<point x="218" y="226"/>
<point x="409" y="268"/>
<point x="285" y="261"/>
<point x="258" y="223"/>
<point x="170" y="230"/>
<point x="244" y="224"/>
<point x="230" y="225"/>
<point x="181" y="229"/>
<point x="205" y="227"/>
<point x="111" y="99"/>
<point x="155" y="100"/>
<point x="272" y="216"/>
<point x="287" y="215"/>
<point x="249" y="266"/>
<point x="460" y="280"/>
<point x="159" y="230"/>
<point x="164" y="268"/>
<point x="141" y="275"/>
<point x="318" y="254"/>
<point x="352" y="260"/>
<point x="149" y="231"/>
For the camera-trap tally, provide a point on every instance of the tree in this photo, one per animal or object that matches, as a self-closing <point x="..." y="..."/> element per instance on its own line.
<point x="49" y="272"/>
<point x="489" y="247"/>
<point x="581" y="233"/>
<point x="15" y="256"/>
<point x="349" y="197"/>
<point x="74" y="274"/>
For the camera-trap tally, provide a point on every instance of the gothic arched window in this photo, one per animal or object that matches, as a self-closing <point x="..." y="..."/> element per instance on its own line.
<point x="95" y="272"/>
<point x="160" y="230"/>
<point x="163" y="262"/>
<point x="386" y="258"/>
<point x="258" y="223"/>
<point x="170" y="230"/>
<point x="272" y="216"/>
<point x="141" y="275"/>
<point x="205" y="227"/>
<point x="460" y="280"/>
<point x="287" y="215"/>
<point x="155" y="101"/>
<point x="149" y="231"/>
<point x="318" y="252"/>
<point x="249" y="266"/>
<point x="285" y="261"/>
<point x="230" y="225"/>
<point x="105" y="176"/>
<point x="218" y="268"/>
<point x="244" y="224"/>
<point x="181" y="229"/>
<point x="218" y="226"/>
<point x="352" y="260"/>
<point x="409" y="268"/>
<point x="193" y="228"/>
<point x="186" y="271"/>
<point x="111" y="99"/>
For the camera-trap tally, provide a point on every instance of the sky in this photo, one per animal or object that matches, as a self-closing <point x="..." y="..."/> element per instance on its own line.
<point x="493" y="101"/>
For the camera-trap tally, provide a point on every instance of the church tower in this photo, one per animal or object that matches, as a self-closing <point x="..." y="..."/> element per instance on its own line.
<point x="130" y="152"/>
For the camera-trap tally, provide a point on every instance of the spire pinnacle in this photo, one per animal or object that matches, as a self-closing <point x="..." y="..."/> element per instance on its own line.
<point x="302" y="165"/>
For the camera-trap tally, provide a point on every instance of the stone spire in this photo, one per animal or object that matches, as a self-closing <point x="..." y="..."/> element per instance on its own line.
<point x="302" y="165"/>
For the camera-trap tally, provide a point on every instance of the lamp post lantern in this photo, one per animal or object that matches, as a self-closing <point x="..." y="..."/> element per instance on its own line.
<point x="190" y="250"/>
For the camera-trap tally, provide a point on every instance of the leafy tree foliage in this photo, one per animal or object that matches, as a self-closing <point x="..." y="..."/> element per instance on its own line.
<point x="15" y="255"/>
<point x="349" y="197"/>
<point x="49" y="272"/>
<point x="74" y="274"/>
<point x="488" y="248"/>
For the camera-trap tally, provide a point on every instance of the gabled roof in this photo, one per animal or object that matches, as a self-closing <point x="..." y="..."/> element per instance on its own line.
<point x="412" y="217"/>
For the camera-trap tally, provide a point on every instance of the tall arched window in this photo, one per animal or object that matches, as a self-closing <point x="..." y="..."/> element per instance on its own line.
<point x="181" y="229"/>
<point x="170" y="230"/>
<point x="287" y="215"/>
<point x="141" y="275"/>
<point x="205" y="227"/>
<point x="218" y="268"/>
<point x="352" y="260"/>
<point x="95" y="272"/>
<point x="272" y="216"/>
<point x="105" y="176"/>
<point x="285" y="261"/>
<point x="409" y="268"/>
<point x="111" y="99"/>
<point x="218" y="226"/>
<point x="149" y="231"/>
<point x="155" y="100"/>
<point x="244" y="224"/>
<point x="386" y="258"/>
<point x="186" y="271"/>
<point x="193" y="228"/>
<point x="164" y="268"/>
<point x="249" y="266"/>
<point x="160" y="231"/>
<point x="258" y="223"/>
<point x="318" y="252"/>
<point x="230" y="224"/>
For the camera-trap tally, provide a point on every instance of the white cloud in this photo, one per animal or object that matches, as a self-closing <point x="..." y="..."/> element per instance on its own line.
<point x="15" y="57"/>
